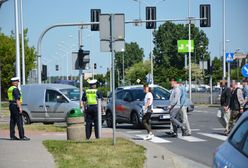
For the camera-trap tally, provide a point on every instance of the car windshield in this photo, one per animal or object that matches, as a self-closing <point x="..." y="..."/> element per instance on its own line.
<point x="72" y="93"/>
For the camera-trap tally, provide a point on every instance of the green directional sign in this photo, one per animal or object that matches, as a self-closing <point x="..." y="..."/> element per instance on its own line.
<point x="183" y="46"/>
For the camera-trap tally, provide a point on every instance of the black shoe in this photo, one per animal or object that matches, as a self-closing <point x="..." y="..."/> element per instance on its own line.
<point x="14" y="138"/>
<point x="174" y="135"/>
<point x="184" y="131"/>
<point x="25" y="138"/>
<point x="169" y="133"/>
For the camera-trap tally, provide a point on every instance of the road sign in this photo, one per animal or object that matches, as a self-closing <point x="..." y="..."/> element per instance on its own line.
<point x="183" y="46"/>
<point x="244" y="70"/>
<point x="229" y="57"/>
<point x="240" y="56"/>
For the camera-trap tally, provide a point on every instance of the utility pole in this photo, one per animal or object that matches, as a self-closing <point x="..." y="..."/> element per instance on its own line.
<point x="23" y="46"/>
<point x="224" y="40"/>
<point x="189" y="49"/>
<point x="18" y="73"/>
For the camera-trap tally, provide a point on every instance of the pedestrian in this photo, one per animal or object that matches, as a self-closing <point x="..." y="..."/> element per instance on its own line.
<point x="236" y="104"/>
<point x="225" y="97"/>
<point x="147" y="109"/>
<point x="15" y="107"/>
<point x="175" y="108"/>
<point x="89" y="99"/>
<point x="184" y="102"/>
<point x="245" y="93"/>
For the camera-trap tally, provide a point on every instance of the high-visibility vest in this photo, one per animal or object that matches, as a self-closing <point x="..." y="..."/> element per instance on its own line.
<point x="91" y="96"/>
<point x="10" y="94"/>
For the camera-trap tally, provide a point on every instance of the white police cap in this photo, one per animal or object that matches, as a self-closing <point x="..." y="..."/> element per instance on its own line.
<point x="14" y="79"/>
<point x="92" y="82"/>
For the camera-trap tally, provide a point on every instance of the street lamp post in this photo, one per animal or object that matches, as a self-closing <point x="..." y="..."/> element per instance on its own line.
<point x="23" y="46"/>
<point x="123" y="70"/>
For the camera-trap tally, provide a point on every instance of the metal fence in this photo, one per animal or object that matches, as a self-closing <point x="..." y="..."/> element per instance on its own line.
<point x="205" y="98"/>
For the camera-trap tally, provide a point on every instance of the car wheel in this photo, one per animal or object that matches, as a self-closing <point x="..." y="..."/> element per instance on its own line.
<point x="135" y="120"/>
<point x="25" y="118"/>
<point x="109" y="120"/>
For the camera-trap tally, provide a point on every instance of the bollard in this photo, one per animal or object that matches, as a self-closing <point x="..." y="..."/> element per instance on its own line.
<point x="99" y="113"/>
<point x="75" y="125"/>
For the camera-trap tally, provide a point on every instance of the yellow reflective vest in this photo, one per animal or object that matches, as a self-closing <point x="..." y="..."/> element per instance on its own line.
<point x="91" y="96"/>
<point x="10" y="94"/>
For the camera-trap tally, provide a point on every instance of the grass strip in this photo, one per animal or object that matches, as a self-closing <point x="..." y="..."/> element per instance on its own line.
<point x="96" y="153"/>
<point x="38" y="127"/>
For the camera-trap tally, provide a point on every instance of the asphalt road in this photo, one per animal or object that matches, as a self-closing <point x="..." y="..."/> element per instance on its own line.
<point x="207" y="135"/>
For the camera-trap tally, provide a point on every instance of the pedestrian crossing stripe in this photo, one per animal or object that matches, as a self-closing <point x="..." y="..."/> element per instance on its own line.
<point x="154" y="139"/>
<point x="133" y="132"/>
<point x="216" y="136"/>
<point x="190" y="138"/>
<point x="218" y="129"/>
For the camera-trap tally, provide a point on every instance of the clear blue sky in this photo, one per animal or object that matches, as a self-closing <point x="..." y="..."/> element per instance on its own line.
<point x="39" y="14"/>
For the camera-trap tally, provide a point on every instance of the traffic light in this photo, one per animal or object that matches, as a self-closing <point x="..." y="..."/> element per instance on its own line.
<point x="151" y="15"/>
<point x="210" y="67"/>
<point x="94" y="17"/>
<point x="205" y="12"/>
<point x="56" y="67"/>
<point x="44" y="73"/>
<point x="94" y="65"/>
<point x="82" y="61"/>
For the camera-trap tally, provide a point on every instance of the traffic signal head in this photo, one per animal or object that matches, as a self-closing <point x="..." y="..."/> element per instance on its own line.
<point x="56" y="67"/>
<point x="82" y="60"/>
<point x="205" y="12"/>
<point x="94" y="65"/>
<point x="94" y="17"/>
<point x="44" y="73"/>
<point x="151" y="15"/>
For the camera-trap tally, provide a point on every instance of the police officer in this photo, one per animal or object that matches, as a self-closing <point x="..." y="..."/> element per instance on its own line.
<point x="89" y="98"/>
<point x="15" y="107"/>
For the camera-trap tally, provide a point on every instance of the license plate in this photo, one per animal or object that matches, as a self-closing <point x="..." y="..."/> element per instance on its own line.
<point x="164" y="116"/>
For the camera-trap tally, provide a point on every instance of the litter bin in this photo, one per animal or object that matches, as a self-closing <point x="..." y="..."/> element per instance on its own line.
<point x="75" y="125"/>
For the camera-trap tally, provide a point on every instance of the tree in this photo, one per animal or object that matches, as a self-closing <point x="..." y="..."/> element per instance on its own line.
<point x="8" y="58"/>
<point x="138" y="71"/>
<point x="167" y="61"/>
<point x="132" y="55"/>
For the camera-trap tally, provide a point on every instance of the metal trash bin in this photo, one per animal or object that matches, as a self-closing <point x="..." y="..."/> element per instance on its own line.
<point x="75" y="125"/>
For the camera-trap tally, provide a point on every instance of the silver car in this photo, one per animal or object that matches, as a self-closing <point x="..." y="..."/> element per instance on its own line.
<point x="233" y="153"/>
<point x="48" y="103"/>
<point x="129" y="102"/>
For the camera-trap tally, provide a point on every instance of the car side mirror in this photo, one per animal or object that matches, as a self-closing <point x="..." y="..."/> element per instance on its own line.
<point x="60" y="99"/>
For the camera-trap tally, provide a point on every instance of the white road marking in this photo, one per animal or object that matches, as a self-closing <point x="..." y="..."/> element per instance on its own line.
<point x="200" y="111"/>
<point x="218" y="129"/>
<point x="195" y="129"/>
<point x="133" y="132"/>
<point x="154" y="139"/>
<point x="216" y="136"/>
<point x="190" y="138"/>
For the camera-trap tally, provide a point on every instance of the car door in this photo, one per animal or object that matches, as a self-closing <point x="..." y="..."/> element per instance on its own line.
<point x="126" y="104"/>
<point x="118" y="105"/>
<point x="55" y="105"/>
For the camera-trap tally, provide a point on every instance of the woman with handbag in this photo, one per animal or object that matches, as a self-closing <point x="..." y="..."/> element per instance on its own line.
<point x="147" y="110"/>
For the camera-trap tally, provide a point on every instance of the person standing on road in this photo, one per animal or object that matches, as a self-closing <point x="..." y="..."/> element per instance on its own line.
<point x="89" y="99"/>
<point x="15" y="107"/>
<point x="225" y="102"/>
<point x="236" y="105"/>
<point x="184" y="102"/>
<point x="175" y="108"/>
<point x="147" y="109"/>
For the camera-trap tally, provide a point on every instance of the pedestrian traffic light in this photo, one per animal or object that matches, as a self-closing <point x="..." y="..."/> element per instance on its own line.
<point x="151" y="15"/>
<point x="210" y="67"/>
<point x="95" y="14"/>
<point x="44" y="73"/>
<point x="82" y="61"/>
<point x="94" y="65"/>
<point x="205" y="12"/>
<point x="56" y="67"/>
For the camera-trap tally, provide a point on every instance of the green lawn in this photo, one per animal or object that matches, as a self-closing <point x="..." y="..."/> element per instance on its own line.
<point x="38" y="127"/>
<point x="96" y="153"/>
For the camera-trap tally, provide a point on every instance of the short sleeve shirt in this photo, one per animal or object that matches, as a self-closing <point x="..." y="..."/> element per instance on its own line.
<point x="148" y="96"/>
<point x="16" y="94"/>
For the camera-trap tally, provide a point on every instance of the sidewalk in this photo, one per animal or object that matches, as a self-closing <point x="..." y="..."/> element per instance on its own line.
<point x="30" y="154"/>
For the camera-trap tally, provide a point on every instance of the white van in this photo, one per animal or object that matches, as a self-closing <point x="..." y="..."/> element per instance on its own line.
<point x="48" y="103"/>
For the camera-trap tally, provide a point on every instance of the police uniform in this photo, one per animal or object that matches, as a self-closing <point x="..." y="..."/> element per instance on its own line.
<point x="14" y="94"/>
<point x="90" y="96"/>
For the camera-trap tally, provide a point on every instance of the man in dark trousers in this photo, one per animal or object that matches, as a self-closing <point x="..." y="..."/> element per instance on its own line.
<point x="15" y="107"/>
<point x="224" y="102"/>
<point x="89" y="99"/>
